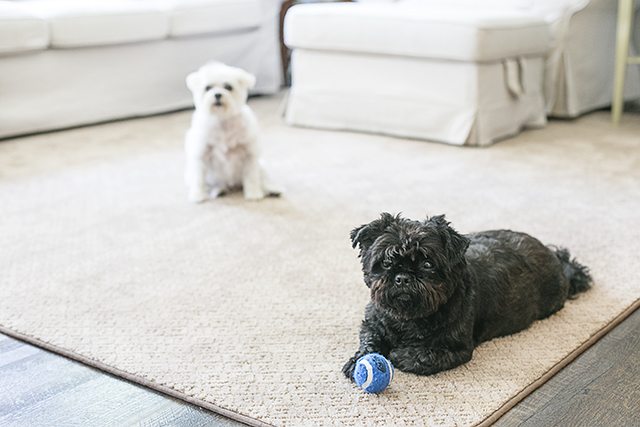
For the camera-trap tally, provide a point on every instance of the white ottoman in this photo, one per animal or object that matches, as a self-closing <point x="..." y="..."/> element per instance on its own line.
<point x="454" y="76"/>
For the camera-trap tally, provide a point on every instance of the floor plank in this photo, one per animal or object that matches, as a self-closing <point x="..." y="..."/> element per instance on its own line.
<point x="599" y="388"/>
<point x="38" y="388"/>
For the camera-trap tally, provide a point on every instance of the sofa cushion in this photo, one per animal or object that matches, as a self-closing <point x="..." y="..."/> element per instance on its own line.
<point x="416" y="31"/>
<point x="192" y="17"/>
<point x="20" y="30"/>
<point x="78" y="23"/>
<point x="480" y="4"/>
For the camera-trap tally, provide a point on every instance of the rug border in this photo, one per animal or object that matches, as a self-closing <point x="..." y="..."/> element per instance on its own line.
<point x="495" y="416"/>
<point x="135" y="379"/>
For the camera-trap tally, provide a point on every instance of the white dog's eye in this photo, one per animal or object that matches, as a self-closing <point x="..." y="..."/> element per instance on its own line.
<point x="228" y="87"/>
<point x="208" y="88"/>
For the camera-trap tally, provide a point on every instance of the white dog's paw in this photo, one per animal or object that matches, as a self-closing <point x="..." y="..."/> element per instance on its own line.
<point x="273" y="190"/>
<point x="216" y="192"/>
<point x="254" y="194"/>
<point x="270" y="188"/>
<point x="198" y="196"/>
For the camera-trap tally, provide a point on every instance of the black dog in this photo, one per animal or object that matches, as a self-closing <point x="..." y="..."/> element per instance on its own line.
<point x="436" y="294"/>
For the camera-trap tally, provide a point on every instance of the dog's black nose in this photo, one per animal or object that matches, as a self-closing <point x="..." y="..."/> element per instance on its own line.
<point x="218" y="95"/>
<point x="402" y="279"/>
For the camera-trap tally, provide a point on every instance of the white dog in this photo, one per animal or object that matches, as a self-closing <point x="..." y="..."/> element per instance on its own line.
<point x="222" y="144"/>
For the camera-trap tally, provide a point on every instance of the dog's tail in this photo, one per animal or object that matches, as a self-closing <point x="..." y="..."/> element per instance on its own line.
<point x="577" y="274"/>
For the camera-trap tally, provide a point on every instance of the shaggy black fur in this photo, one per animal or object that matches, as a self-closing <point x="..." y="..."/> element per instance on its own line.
<point x="436" y="294"/>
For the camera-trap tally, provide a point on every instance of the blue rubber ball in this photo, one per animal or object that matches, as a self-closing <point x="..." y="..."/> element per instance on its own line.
<point x="373" y="373"/>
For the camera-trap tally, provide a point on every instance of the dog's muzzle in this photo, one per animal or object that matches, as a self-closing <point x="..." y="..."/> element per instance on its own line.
<point x="403" y="301"/>
<point x="217" y="100"/>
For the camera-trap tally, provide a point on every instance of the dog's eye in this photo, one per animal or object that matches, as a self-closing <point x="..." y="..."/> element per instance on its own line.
<point x="427" y="265"/>
<point x="228" y="87"/>
<point x="208" y="88"/>
<point x="386" y="264"/>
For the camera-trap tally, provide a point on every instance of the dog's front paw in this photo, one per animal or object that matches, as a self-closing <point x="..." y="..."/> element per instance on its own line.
<point x="198" y="196"/>
<point x="349" y="367"/>
<point x="216" y="192"/>
<point x="273" y="193"/>
<point x="272" y="190"/>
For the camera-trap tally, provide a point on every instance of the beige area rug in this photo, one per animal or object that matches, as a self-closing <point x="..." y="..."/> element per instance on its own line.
<point x="251" y="309"/>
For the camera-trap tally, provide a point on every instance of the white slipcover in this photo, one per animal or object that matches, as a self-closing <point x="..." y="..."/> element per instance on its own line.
<point x="123" y="58"/>
<point x="192" y="17"/>
<point x="21" y="30"/>
<point x="78" y="23"/>
<point x="579" y="68"/>
<point x="454" y="102"/>
<point x="477" y="35"/>
<point x="447" y="77"/>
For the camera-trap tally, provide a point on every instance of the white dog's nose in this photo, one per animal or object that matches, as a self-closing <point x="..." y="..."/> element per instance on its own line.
<point x="218" y="96"/>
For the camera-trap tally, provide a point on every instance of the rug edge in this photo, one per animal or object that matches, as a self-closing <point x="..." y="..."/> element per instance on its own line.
<point x="522" y="394"/>
<point x="495" y="416"/>
<point x="134" y="379"/>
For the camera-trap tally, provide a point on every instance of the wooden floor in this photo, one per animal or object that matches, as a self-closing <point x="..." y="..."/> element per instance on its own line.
<point x="600" y="388"/>
<point x="38" y="388"/>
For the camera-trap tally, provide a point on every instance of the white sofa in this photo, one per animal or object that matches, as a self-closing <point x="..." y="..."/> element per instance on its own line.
<point x="399" y="67"/>
<point x="66" y="63"/>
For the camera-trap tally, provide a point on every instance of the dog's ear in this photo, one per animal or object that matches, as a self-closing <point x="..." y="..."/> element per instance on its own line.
<point x="193" y="81"/>
<point x="366" y="234"/>
<point x="454" y="243"/>
<point x="246" y="79"/>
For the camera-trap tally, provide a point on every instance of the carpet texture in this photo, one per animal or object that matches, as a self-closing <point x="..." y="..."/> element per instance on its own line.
<point x="252" y="308"/>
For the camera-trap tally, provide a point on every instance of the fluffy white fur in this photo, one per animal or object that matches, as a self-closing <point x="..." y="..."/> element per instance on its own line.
<point x="222" y="152"/>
